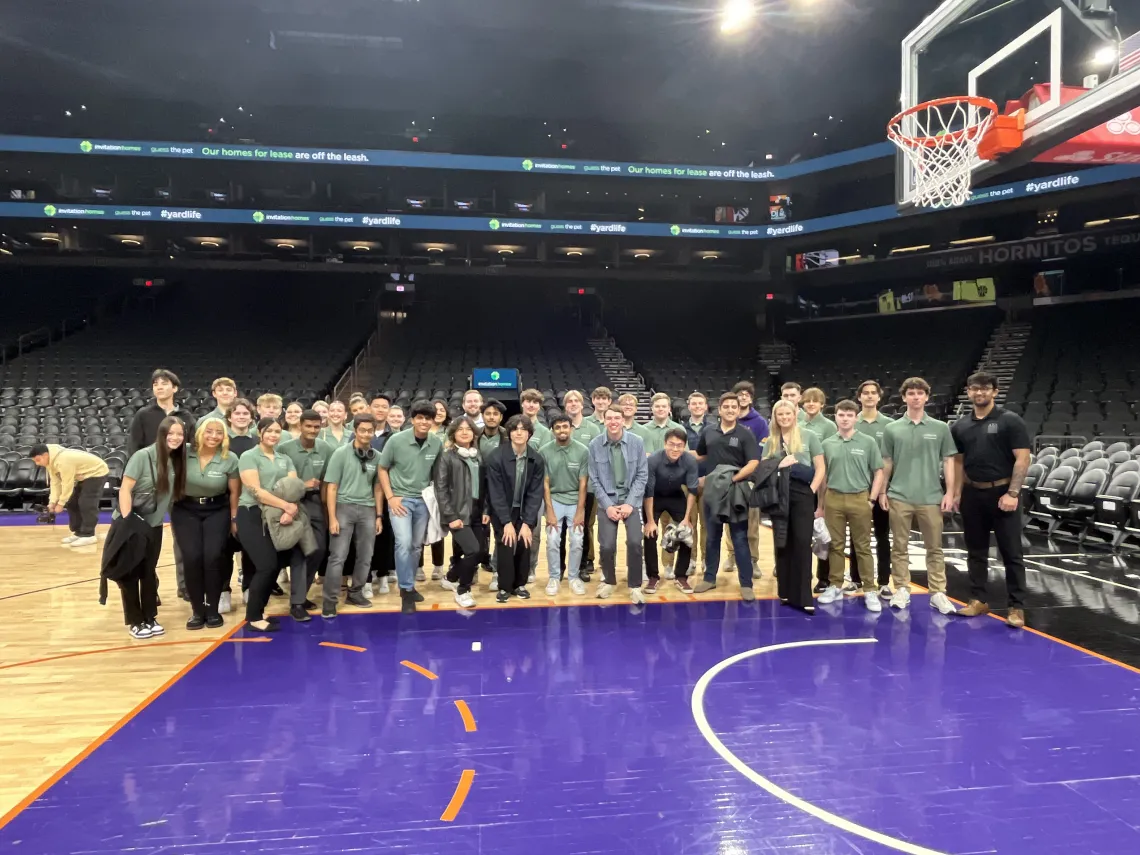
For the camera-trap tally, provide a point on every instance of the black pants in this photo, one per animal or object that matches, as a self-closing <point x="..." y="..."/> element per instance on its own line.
<point x="514" y="569"/>
<point x="301" y="578"/>
<point x="468" y="546"/>
<point x="140" y="589"/>
<point x="267" y="561"/>
<point x="674" y="506"/>
<point x="83" y="507"/>
<point x="881" y="520"/>
<point x="436" y="554"/>
<point x="203" y="532"/>
<point x="980" y="516"/>
<point x="234" y="548"/>
<point x="384" y="552"/>
<point x="793" y="561"/>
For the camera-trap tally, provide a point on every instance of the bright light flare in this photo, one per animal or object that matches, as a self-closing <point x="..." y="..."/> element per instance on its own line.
<point x="736" y="16"/>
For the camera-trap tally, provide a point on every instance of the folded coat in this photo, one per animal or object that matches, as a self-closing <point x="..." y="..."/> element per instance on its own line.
<point x="123" y="551"/>
<point x="770" y="494"/>
<point x="285" y="537"/>
<point x="727" y="500"/>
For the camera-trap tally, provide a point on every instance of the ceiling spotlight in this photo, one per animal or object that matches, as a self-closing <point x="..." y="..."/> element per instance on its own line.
<point x="574" y="253"/>
<point x="434" y="249"/>
<point x="130" y="242"/>
<point x="285" y="246"/>
<point x="736" y="16"/>
<point x="641" y="255"/>
<point x="767" y="157"/>
<point x="82" y="106"/>
<point x="1107" y="55"/>
<point x="506" y="252"/>
<point x="210" y="243"/>
<point x="67" y="113"/>
<point x="361" y="248"/>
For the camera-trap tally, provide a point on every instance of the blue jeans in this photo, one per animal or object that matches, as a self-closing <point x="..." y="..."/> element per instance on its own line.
<point x="409" y="532"/>
<point x="739" y="534"/>
<point x="564" y="514"/>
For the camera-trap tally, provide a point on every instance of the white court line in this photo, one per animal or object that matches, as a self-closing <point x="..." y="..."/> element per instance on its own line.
<point x="1082" y="575"/>
<point x="698" y="706"/>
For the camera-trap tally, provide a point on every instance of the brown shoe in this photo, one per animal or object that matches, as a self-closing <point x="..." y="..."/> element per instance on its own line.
<point x="703" y="586"/>
<point x="974" y="609"/>
<point x="1015" y="618"/>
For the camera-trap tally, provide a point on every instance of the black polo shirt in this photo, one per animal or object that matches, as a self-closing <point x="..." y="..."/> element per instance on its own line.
<point x="666" y="478"/>
<point x="987" y="444"/>
<point x="735" y="448"/>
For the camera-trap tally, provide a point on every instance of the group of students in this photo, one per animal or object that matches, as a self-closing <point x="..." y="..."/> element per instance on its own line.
<point x="366" y="486"/>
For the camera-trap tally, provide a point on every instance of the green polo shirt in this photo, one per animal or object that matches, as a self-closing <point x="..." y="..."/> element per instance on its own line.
<point x="354" y="479"/>
<point x="487" y="444"/>
<point x="813" y="447"/>
<point x="617" y="460"/>
<point x="541" y="435"/>
<point x="916" y="452"/>
<point x="214" y="479"/>
<point x="851" y="463"/>
<point x="520" y="479"/>
<point x="640" y="432"/>
<point x="409" y="464"/>
<point x="565" y="467"/>
<point x="139" y="467"/>
<point x="213" y="414"/>
<point x="269" y="472"/>
<point x="654" y="435"/>
<point x="821" y="426"/>
<point x="327" y="436"/>
<point x="310" y="463"/>
<point x="585" y="431"/>
<point x="876" y="429"/>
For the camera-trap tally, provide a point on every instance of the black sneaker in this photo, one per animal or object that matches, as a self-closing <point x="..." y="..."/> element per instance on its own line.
<point x="502" y="596"/>
<point x="182" y="595"/>
<point x="214" y="621"/>
<point x="277" y="591"/>
<point x="196" y="622"/>
<point x="417" y="596"/>
<point x="309" y="605"/>
<point x="820" y="587"/>
<point x="522" y="593"/>
<point x="299" y="614"/>
<point x="328" y="612"/>
<point x="357" y="599"/>
<point x="155" y="627"/>
<point x="407" y="602"/>
<point x="157" y="601"/>
<point x="139" y="630"/>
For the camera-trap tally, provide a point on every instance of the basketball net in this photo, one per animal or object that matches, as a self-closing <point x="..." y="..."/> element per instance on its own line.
<point x="940" y="140"/>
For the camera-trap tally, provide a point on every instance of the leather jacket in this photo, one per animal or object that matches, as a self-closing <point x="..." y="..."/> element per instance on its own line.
<point x="452" y="480"/>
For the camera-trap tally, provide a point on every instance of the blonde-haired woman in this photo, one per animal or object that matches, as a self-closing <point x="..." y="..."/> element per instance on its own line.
<point x="335" y="433"/>
<point x="203" y="519"/>
<point x="293" y="421"/>
<point x="801" y="462"/>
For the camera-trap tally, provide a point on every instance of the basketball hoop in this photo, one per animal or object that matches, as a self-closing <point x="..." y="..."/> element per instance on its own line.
<point x="940" y="139"/>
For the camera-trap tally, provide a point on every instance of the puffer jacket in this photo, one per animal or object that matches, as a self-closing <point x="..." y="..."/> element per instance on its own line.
<point x="285" y="537"/>
<point x="452" y="481"/>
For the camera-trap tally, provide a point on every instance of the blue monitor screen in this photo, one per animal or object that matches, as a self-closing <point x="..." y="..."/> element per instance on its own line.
<point x="495" y="378"/>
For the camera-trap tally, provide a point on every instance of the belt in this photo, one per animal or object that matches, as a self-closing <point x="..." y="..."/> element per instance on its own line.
<point x="210" y="501"/>
<point x="987" y="485"/>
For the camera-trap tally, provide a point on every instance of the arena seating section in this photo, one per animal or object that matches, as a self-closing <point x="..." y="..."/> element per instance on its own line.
<point x="82" y="392"/>
<point x="1080" y="373"/>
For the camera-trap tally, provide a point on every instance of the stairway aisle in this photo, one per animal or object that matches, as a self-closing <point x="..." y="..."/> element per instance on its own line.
<point x="1000" y="358"/>
<point x="620" y="374"/>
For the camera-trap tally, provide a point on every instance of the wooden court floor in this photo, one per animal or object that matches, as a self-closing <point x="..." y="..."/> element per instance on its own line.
<point x="70" y="674"/>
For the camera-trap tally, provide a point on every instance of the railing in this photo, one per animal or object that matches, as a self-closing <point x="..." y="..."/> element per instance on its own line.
<point x="1061" y="442"/>
<point x="25" y="341"/>
<point x="348" y="378"/>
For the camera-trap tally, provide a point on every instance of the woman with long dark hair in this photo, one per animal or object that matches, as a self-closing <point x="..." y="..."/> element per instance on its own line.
<point x="204" y="518"/>
<point x="801" y="461"/>
<point x="261" y="468"/>
<point x="154" y="477"/>
<point x="439" y="428"/>
<point x="461" y="493"/>
<point x="243" y="437"/>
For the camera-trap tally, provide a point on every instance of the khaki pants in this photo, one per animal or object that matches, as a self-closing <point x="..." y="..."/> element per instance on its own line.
<point x="753" y="541"/>
<point x="699" y="531"/>
<point x="840" y="511"/>
<point x="929" y="519"/>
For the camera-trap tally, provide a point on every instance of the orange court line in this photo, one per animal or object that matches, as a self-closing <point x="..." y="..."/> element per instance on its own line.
<point x="119" y="725"/>
<point x="468" y="718"/>
<point x="419" y="669"/>
<point x="460" y="796"/>
<point x="143" y="646"/>
<point x="352" y="647"/>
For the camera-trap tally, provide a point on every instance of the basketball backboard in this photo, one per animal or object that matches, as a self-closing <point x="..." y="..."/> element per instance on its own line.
<point x="1065" y="60"/>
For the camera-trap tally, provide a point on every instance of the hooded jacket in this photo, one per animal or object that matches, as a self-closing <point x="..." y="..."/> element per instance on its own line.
<point x="285" y="537"/>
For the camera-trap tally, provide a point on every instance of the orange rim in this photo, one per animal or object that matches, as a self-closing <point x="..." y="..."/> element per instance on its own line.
<point x="894" y="126"/>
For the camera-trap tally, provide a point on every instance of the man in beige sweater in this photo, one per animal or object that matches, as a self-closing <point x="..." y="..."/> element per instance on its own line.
<point x="76" y="479"/>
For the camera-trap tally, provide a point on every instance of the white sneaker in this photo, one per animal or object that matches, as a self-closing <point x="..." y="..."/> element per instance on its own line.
<point x="155" y="628"/>
<point x="552" y="588"/>
<point x="382" y="586"/>
<point x="392" y="576"/>
<point x="225" y="603"/>
<point x="830" y="595"/>
<point x="85" y="541"/>
<point x="448" y="585"/>
<point x="367" y="590"/>
<point x="670" y="573"/>
<point x="605" y="591"/>
<point x="636" y="596"/>
<point x="139" y="630"/>
<point x="901" y="599"/>
<point x="465" y="601"/>
<point x="494" y="584"/>
<point x="283" y="578"/>
<point x="872" y="602"/>
<point x="71" y="538"/>
<point x="942" y="603"/>
<point x="436" y="573"/>
<point x="578" y="587"/>
<point x="728" y="567"/>
<point x="530" y="578"/>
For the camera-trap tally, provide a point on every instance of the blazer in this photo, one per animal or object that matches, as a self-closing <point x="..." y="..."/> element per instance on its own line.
<point x="501" y="485"/>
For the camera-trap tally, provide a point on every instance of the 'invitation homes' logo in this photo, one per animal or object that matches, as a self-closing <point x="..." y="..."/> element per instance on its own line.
<point x="494" y="375"/>
<point x="494" y="224"/>
<point x="674" y="230"/>
<point x="86" y="146"/>
<point x="528" y="164"/>
<point x="50" y="210"/>
<point x="258" y="217"/>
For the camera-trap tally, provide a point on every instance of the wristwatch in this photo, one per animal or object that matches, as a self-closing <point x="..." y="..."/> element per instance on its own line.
<point x="1014" y="493"/>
